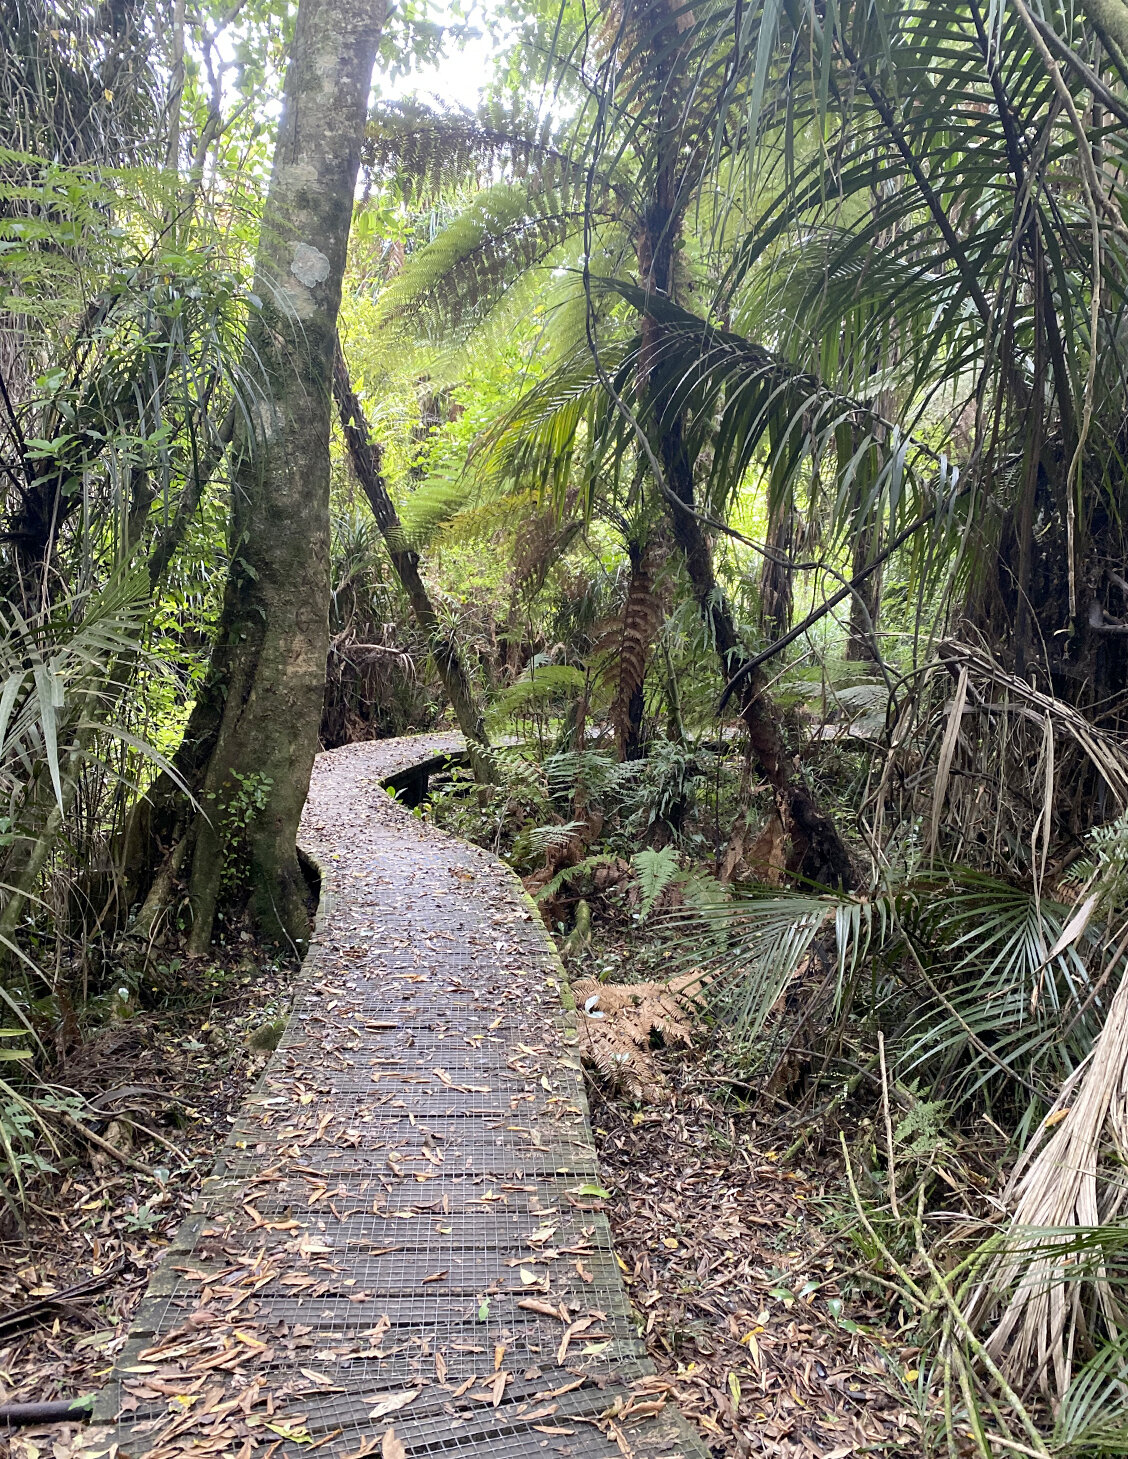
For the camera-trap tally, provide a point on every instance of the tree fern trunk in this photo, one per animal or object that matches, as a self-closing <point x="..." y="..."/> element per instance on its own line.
<point x="818" y="850"/>
<point x="642" y="614"/>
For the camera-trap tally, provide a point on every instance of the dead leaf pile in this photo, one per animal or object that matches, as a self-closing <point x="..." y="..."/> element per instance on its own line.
<point x="740" y="1294"/>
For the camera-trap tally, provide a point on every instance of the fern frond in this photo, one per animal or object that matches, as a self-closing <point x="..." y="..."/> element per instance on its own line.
<point x="571" y="873"/>
<point x="457" y="279"/>
<point x="537" y="689"/>
<point x="425" y="152"/>
<point x="656" y="871"/>
<point x="537" y="441"/>
<point x="431" y="506"/>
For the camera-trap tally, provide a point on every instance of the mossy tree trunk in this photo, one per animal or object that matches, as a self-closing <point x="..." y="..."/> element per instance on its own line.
<point x="250" y="747"/>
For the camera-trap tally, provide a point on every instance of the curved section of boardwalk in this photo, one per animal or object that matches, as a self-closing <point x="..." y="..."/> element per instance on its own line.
<point x="398" y="1246"/>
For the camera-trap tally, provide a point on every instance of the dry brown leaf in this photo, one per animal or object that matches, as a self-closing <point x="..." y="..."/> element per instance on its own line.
<point x="530" y="1304"/>
<point x="572" y="1330"/>
<point x="394" y="1403"/>
<point x="367" y="1446"/>
<point x="391" y="1447"/>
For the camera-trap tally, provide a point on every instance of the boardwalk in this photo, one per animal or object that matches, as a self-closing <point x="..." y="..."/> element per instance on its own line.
<point x="399" y="1251"/>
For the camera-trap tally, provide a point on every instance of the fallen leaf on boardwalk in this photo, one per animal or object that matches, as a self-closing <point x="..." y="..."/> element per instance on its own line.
<point x="564" y="1388"/>
<point x="440" y="1368"/>
<point x="499" y="1353"/>
<point x="552" y="1429"/>
<point x="368" y="1446"/>
<point x="394" y="1403"/>
<point x="530" y="1304"/>
<point x="296" y="1435"/>
<point x="499" y="1387"/>
<point x="436" y="1276"/>
<point x="580" y="1325"/>
<point x="391" y="1448"/>
<point x="647" y="1409"/>
<point x="465" y="1387"/>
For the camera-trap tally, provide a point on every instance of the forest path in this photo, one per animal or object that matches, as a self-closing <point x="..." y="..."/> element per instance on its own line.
<point x="399" y="1234"/>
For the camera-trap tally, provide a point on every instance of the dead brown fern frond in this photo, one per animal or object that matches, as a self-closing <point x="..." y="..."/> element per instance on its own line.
<point x="618" y="1024"/>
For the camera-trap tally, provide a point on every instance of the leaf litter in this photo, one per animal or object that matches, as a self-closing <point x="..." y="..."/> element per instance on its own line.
<point x="743" y="1295"/>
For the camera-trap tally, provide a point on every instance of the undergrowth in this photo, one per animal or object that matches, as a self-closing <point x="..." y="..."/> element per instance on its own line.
<point x="922" y="1035"/>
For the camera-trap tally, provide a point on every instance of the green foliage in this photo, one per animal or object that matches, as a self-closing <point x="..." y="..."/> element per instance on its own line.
<point x="541" y="689"/>
<point x="664" y="789"/>
<point x="954" y="964"/>
<point x="62" y="677"/>
<point x="453" y="282"/>
<point x="27" y="1136"/>
<point x="924" y="1129"/>
<point x="568" y="874"/>
<point x="656" y="871"/>
<point x="237" y="809"/>
<point x="429" y="154"/>
<point x="1092" y="1422"/>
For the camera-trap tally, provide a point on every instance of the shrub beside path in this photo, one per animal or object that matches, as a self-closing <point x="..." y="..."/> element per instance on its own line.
<point x="401" y="1250"/>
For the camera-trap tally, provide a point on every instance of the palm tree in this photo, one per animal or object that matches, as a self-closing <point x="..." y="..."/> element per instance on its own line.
<point x="622" y="208"/>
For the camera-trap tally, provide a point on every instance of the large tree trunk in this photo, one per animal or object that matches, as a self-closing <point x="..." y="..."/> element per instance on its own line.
<point x="251" y="746"/>
<point x="366" y="464"/>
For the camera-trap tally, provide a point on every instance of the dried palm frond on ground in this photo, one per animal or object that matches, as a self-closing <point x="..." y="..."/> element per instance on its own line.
<point x="619" y="1025"/>
<point x="1056" y="1194"/>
